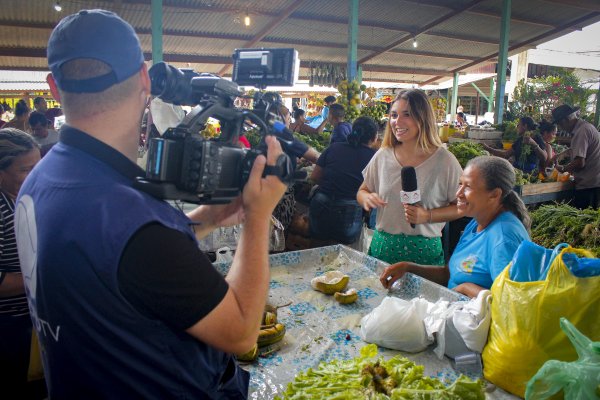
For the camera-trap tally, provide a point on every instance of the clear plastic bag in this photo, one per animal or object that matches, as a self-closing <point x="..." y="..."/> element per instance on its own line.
<point x="579" y="379"/>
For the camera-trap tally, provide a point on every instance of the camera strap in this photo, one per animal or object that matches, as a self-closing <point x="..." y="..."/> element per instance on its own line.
<point x="282" y="169"/>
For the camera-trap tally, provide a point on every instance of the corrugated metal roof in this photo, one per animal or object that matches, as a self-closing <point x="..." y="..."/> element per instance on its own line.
<point x="452" y="35"/>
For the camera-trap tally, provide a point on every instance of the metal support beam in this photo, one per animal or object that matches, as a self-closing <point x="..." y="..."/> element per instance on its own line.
<point x="448" y="100"/>
<point x="157" y="31"/>
<point x="597" y="114"/>
<point x="352" y="39"/>
<point x="491" y="96"/>
<point x="479" y="91"/>
<point x="454" y="98"/>
<point x="502" y="61"/>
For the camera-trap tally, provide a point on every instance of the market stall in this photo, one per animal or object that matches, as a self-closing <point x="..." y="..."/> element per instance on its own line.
<point x="320" y="329"/>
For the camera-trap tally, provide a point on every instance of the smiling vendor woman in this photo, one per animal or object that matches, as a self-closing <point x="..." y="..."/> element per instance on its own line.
<point x="488" y="243"/>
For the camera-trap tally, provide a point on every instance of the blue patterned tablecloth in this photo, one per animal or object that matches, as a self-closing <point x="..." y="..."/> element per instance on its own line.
<point x="320" y="329"/>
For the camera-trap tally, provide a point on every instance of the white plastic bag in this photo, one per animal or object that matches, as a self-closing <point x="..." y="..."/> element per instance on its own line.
<point x="397" y="324"/>
<point x="473" y="320"/>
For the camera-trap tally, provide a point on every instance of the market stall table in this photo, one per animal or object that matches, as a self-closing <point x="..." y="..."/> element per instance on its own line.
<point x="320" y="329"/>
<point x="547" y="191"/>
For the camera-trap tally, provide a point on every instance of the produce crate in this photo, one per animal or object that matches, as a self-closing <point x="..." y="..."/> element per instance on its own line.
<point x="489" y="134"/>
<point x="547" y="191"/>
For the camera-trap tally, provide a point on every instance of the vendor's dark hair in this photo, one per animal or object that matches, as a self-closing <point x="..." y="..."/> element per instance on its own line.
<point x="546" y="126"/>
<point x="337" y="110"/>
<point x="37" y="117"/>
<point x="529" y="123"/>
<point x="21" y="108"/>
<point x="13" y="143"/>
<point x="329" y="99"/>
<point x="364" y="130"/>
<point x="298" y="112"/>
<point x="498" y="173"/>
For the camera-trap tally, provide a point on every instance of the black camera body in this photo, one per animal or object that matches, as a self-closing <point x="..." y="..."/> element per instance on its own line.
<point x="182" y="164"/>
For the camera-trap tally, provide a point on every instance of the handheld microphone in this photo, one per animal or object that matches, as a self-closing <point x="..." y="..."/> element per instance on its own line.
<point x="409" y="193"/>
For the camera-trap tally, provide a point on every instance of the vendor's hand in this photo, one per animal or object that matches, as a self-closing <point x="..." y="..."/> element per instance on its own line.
<point x="469" y="289"/>
<point x="372" y="200"/>
<point x="529" y="140"/>
<point x="416" y="214"/>
<point x="392" y="273"/>
<point x="261" y="195"/>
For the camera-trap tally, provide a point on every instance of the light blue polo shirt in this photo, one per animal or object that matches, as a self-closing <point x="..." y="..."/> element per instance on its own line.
<point x="479" y="257"/>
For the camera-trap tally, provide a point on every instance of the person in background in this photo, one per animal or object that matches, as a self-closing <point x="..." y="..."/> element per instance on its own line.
<point x="334" y="213"/>
<point x="461" y="120"/>
<point x="499" y="226"/>
<point x="286" y="208"/>
<point x="19" y="153"/>
<point x="317" y="120"/>
<point x="2" y="111"/>
<point x="300" y="126"/>
<point x="21" y="117"/>
<point x="44" y="136"/>
<point x="524" y="159"/>
<point x="129" y="305"/>
<point x="341" y="128"/>
<point x="584" y="153"/>
<point x="548" y="133"/>
<point x="40" y="105"/>
<point x="411" y="139"/>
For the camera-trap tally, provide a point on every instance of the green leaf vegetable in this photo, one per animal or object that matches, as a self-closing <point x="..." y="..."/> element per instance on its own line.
<point x="369" y="377"/>
<point x="464" y="151"/>
<point x="552" y="224"/>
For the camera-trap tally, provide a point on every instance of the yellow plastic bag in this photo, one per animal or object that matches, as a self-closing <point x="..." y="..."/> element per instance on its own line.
<point x="36" y="369"/>
<point x="525" y="330"/>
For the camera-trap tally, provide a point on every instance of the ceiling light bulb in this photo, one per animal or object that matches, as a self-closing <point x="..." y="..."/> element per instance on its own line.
<point x="415" y="44"/>
<point x="247" y="20"/>
<point x="57" y="6"/>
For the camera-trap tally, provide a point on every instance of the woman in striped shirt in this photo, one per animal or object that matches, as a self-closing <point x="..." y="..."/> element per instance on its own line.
<point x="18" y="155"/>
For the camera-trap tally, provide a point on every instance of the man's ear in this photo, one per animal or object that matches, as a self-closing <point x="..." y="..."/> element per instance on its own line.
<point x="145" y="78"/>
<point x="53" y="87"/>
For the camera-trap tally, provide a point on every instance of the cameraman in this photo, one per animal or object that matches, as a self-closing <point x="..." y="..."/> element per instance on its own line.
<point x="125" y="304"/>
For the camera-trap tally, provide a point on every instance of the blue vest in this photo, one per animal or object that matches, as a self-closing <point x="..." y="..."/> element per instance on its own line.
<point x="95" y="344"/>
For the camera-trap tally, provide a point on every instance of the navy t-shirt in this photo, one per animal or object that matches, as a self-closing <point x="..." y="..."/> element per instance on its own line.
<point x="342" y="169"/>
<point x="340" y="132"/>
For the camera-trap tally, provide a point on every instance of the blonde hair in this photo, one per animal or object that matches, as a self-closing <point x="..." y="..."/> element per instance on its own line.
<point x="421" y="111"/>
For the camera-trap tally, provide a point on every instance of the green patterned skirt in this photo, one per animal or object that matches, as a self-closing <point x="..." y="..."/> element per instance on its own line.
<point x="418" y="249"/>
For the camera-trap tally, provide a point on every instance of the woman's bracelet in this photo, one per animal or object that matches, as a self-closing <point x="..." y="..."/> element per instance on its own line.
<point x="430" y="216"/>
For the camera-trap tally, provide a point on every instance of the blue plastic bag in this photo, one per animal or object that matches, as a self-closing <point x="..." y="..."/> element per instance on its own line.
<point x="582" y="267"/>
<point x="531" y="261"/>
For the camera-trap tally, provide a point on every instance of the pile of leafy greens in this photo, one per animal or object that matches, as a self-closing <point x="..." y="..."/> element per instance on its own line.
<point x="369" y="377"/>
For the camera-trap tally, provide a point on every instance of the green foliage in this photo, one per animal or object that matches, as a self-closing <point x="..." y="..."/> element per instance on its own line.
<point x="318" y="142"/>
<point x="538" y="96"/>
<point x="372" y="377"/>
<point x="560" y="223"/>
<point x="464" y="151"/>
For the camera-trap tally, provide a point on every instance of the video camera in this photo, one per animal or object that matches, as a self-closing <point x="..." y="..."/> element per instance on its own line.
<point x="182" y="164"/>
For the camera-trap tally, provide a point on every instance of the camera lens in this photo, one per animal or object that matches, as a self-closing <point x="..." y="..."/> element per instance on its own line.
<point x="171" y="84"/>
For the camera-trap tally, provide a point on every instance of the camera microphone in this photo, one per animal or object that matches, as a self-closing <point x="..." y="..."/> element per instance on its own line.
<point x="409" y="193"/>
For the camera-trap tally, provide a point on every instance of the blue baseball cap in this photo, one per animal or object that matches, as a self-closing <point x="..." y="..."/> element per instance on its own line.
<point x="94" y="34"/>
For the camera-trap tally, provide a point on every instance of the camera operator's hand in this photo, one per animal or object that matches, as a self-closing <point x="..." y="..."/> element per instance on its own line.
<point x="261" y="195"/>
